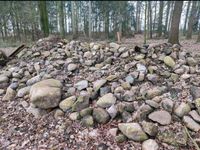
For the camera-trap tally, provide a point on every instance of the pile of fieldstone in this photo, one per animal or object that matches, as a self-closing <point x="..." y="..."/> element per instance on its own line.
<point x="151" y="92"/>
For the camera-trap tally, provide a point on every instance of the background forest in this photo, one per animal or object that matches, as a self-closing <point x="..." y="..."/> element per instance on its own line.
<point x="31" y="20"/>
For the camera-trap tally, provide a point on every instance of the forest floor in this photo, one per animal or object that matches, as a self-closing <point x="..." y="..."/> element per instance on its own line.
<point x="187" y="45"/>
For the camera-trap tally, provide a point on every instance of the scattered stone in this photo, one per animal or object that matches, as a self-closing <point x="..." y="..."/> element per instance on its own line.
<point x="10" y="95"/>
<point x="150" y="128"/>
<point x="36" y="112"/>
<point x="182" y="109"/>
<point x="133" y="131"/>
<point x="150" y="145"/>
<point x="67" y="103"/>
<point x="100" y="115"/>
<point x="33" y="80"/>
<point x="23" y="91"/>
<point x="98" y="84"/>
<point x="81" y="103"/>
<point x="72" y="67"/>
<point x="195" y="115"/>
<point x="120" y="138"/>
<point x="86" y="111"/>
<point x="46" y="94"/>
<point x="162" y="117"/>
<point x="191" y="124"/>
<point x="106" y="101"/>
<point x="58" y="113"/>
<point x="167" y="104"/>
<point x="172" y="137"/>
<point x="81" y="85"/>
<point x="169" y="61"/>
<point x="74" y="116"/>
<point x="87" y="121"/>
<point x="112" y="110"/>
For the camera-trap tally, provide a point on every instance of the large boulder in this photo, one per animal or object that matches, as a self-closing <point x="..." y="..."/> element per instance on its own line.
<point x="46" y="94"/>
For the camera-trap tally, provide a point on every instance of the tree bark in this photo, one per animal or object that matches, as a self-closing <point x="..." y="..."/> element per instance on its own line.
<point x="174" y="30"/>
<point x="167" y="17"/>
<point x="61" y="18"/>
<point x="186" y="17"/>
<point x="44" y="18"/>
<point x="191" y="20"/>
<point x="150" y="20"/>
<point x="90" y="19"/>
<point x="160" y="19"/>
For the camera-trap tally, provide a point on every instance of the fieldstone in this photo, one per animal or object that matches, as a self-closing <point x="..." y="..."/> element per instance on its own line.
<point x="150" y="145"/>
<point x="151" y="93"/>
<point x="98" y="84"/>
<point x="23" y="91"/>
<point x="191" y="124"/>
<point x="195" y="92"/>
<point x="129" y="79"/>
<point x="161" y="116"/>
<point x="46" y="94"/>
<point x="86" y="111"/>
<point x="81" y="85"/>
<point x="191" y="61"/>
<point x="74" y="116"/>
<point x="182" y="109"/>
<point x="10" y="94"/>
<point x="67" y="103"/>
<point x="150" y="128"/>
<point x="111" y="77"/>
<point x="87" y="121"/>
<point x="172" y="137"/>
<point x="114" y="46"/>
<point x="139" y="57"/>
<point x="3" y="79"/>
<point x="33" y="80"/>
<point x="152" y="103"/>
<point x="71" y="67"/>
<point x="169" y="61"/>
<point x="58" y="113"/>
<point x="81" y="103"/>
<point x="36" y="112"/>
<point x="100" y="115"/>
<point x="197" y="104"/>
<point x="112" y="110"/>
<point x="14" y="85"/>
<point x="141" y="68"/>
<point x="2" y="91"/>
<point x="126" y="116"/>
<point x="120" y="138"/>
<point x="153" y="78"/>
<point x="195" y="115"/>
<point x="167" y="104"/>
<point x="113" y="131"/>
<point x="105" y="90"/>
<point x="133" y="131"/>
<point x="107" y="100"/>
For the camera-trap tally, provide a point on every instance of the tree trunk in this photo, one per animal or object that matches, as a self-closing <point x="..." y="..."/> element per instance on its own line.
<point x="150" y="20"/>
<point x="191" y="20"/>
<point x="171" y="14"/>
<point x="61" y="18"/>
<point x="186" y="17"/>
<point x="167" y="17"/>
<point x="73" y="5"/>
<point x="198" y="37"/>
<point x="174" y="30"/>
<point x="145" y="21"/>
<point x="154" y="22"/>
<point x="160" y="19"/>
<point x="90" y="19"/>
<point x="44" y="18"/>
